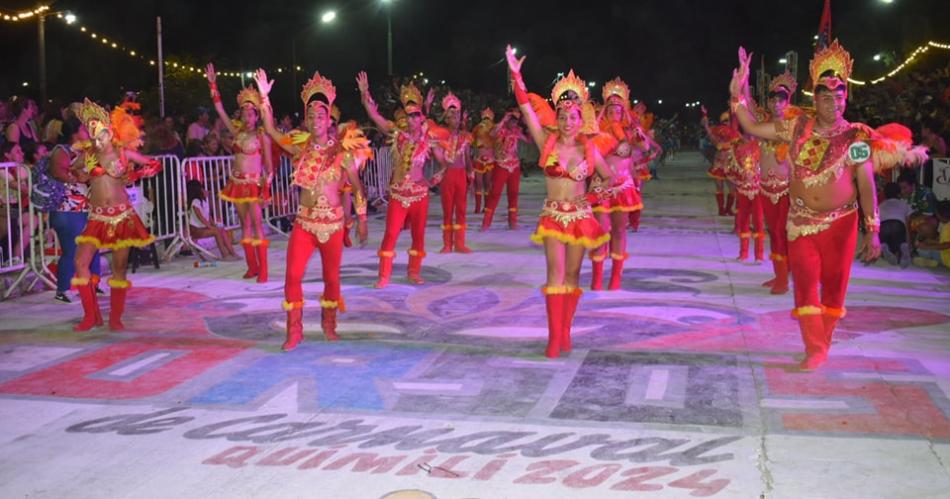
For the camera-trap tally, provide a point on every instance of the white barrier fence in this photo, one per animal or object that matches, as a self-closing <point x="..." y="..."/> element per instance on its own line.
<point x="23" y="249"/>
<point x="161" y="203"/>
<point x="941" y="178"/>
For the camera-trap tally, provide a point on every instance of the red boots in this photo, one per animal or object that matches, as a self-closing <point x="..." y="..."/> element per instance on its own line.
<point x="460" y="239"/>
<point x="561" y="303"/>
<point x="117" y="303"/>
<point x="92" y="317"/>
<point x="415" y="266"/>
<point x="486" y="219"/>
<point x="261" y="246"/>
<point x="616" y="271"/>
<point x="720" y="203"/>
<point x="513" y="218"/>
<point x="759" y="246"/>
<point x="597" y="271"/>
<point x="385" y="268"/>
<point x="250" y="255"/>
<point x="447" y="239"/>
<point x="328" y="318"/>
<point x="294" y="325"/>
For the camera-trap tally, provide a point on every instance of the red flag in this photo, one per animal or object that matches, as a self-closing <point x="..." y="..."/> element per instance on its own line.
<point x="824" y="27"/>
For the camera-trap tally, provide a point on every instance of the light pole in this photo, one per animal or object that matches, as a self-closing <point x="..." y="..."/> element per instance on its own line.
<point x="389" y="36"/>
<point x="41" y="14"/>
<point x="326" y="18"/>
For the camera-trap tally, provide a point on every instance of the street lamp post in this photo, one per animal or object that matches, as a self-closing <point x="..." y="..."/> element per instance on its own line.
<point x="389" y="36"/>
<point x="326" y="18"/>
<point x="41" y="36"/>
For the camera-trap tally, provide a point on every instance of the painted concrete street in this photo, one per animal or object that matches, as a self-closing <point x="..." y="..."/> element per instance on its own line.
<point x="683" y="384"/>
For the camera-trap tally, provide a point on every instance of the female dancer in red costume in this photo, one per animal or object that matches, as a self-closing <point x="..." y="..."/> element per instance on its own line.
<point x="107" y="164"/>
<point x="567" y="226"/>
<point x="615" y="202"/>
<point x="724" y="136"/>
<point x="249" y="185"/>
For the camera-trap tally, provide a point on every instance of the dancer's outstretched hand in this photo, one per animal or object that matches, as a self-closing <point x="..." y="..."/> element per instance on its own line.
<point x="513" y="62"/>
<point x="362" y="232"/>
<point x="870" y="248"/>
<point x="210" y="74"/>
<point x="263" y="84"/>
<point x="362" y="82"/>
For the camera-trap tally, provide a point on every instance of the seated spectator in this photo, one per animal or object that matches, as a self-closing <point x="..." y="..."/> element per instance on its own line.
<point x="919" y="197"/>
<point x="201" y="224"/>
<point x="895" y="238"/>
<point x="934" y="245"/>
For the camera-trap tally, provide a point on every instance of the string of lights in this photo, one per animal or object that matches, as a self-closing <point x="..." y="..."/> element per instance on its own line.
<point x="69" y="19"/>
<point x="110" y="42"/>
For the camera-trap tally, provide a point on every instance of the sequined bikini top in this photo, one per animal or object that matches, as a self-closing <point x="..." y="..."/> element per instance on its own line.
<point x="248" y="143"/>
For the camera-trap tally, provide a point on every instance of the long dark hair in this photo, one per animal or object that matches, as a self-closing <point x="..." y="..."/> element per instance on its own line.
<point x="195" y="189"/>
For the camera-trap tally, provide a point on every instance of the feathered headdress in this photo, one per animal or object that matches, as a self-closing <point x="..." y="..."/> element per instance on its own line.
<point x="832" y="58"/>
<point x="318" y="85"/>
<point x="251" y="95"/>
<point x="616" y="92"/>
<point x="570" y="91"/>
<point x="411" y="98"/>
<point x="786" y="81"/>
<point x="124" y="127"/>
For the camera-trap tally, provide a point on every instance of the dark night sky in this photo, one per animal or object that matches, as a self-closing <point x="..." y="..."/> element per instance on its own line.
<point x="677" y="50"/>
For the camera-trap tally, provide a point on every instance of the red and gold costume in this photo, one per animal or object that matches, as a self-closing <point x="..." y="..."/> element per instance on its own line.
<point x="822" y="243"/>
<point x="724" y="136"/>
<point x="113" y="226"/>
<point x="485" y="155"/>
<point x="620" y="194"/>
<point x="744" y="175"/>
<point x="247" y="187"/>
<point x="408" y="193"/>
<point x="505" y="176"/>
<point x="319" y="169"/>
<point x="454" y="187"/>
<point x="773" y="191"/>
<point x="569" y="221"/>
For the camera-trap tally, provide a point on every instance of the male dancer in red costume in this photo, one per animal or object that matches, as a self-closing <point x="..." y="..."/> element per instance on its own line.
<point x="773" y="182"/>
<point x="408" y="188"/>
<point x="321" y="165"/>
<point x="833" y="167"/>
<point x="454" y="153"/>
<point x="484" y="156"/>
<point x="507" y="172"/>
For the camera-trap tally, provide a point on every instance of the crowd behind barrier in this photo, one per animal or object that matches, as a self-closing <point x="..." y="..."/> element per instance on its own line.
<point x="161" y="202"/>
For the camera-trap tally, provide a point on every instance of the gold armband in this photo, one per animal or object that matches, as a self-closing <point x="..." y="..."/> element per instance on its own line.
<point x="872" y="223"/>
<point x="359" y="202"/>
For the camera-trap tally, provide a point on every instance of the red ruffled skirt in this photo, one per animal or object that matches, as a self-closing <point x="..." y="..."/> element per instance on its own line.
<point x="243" y="189"/>
<point x="570" y="222"/>
<point x="626" y="199"/>
<point x="114" y="227"/>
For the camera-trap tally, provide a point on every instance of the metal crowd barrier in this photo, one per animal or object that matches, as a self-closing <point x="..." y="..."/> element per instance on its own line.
<point x="285" y="197"/>
<point x="161" y="202"/>
<point x="13" y="257"/>
<point x="376" y="175"/>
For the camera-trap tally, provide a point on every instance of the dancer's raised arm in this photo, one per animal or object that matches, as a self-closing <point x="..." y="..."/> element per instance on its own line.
<point x="384" y="125"/>
<point x="521" y="96"/>
<point x="740" y="103"/>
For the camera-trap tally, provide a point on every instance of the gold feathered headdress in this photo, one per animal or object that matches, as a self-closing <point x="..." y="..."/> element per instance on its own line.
<point x="251" y="95"/>
<point x="319" y="85"/>
<point x="411" y="98"/>
<point x="571" y="83"/>
<point x="616" y="92"/>
<point x="785" y="80"/>
<point x="832" y="58"/>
